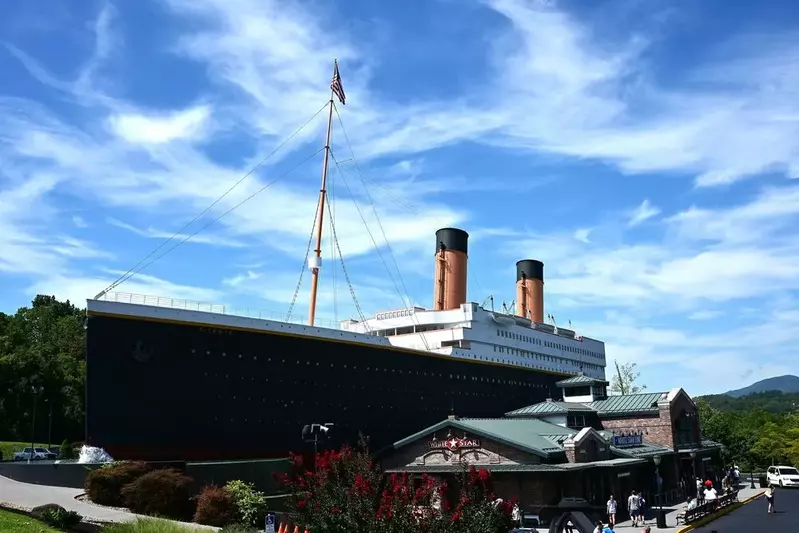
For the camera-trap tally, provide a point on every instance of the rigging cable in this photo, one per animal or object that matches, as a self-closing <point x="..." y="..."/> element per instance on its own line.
<point x="303" y="266"/>
<point x="414" y="319"/>
<point x="189" y="236"/>
<point x="371" y="201"/>
<point x="369" y="232"/>
<point x="332" y="199"/>
<point x="132" y="271"/>
<point x="411" y="208"/>
<point x="346" y="275"/>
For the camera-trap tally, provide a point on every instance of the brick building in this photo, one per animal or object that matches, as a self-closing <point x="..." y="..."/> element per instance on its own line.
<point x="666" y="419"/>
<point x="586" y="445"/>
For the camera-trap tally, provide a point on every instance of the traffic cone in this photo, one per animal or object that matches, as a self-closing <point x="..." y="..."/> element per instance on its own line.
<point x="296" y="529"/>
<point x="280" y="529"/>
<point x="307" y="530"/>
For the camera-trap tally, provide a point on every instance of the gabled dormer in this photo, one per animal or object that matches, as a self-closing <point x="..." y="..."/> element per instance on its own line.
<point x="583" y="389"/>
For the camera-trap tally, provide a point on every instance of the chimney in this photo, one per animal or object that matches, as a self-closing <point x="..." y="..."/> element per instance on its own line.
<point x="450" y="275"/>
<point x="530" y="289"/>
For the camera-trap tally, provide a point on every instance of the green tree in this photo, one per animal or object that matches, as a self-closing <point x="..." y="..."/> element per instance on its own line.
<point x="42" y="364"/>
<point x="770" y="446"/>
<point x="624" y="379"/>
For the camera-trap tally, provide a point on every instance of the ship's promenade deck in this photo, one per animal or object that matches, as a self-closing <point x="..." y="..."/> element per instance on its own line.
<point x="207" y="307"/>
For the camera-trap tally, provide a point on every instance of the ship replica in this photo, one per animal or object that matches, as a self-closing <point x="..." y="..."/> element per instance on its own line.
<point x="172" y="380"/>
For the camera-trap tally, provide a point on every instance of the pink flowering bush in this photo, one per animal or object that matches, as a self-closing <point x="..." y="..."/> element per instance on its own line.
<point x="346" y="492"/>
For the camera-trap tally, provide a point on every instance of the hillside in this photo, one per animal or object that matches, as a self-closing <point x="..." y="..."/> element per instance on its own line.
<point x="774" y="402"/>
<point x="787" y="384"/>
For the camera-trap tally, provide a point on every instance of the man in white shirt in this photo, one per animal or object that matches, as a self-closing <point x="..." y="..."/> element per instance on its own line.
<point x="611" y="508"/>
<point x="633" y="505"/>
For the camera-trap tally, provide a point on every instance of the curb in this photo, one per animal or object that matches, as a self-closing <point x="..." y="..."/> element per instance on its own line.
<point x="727" y="510"/>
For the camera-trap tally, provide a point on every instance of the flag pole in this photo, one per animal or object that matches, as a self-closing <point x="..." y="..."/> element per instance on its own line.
<point x="315" y="262"/>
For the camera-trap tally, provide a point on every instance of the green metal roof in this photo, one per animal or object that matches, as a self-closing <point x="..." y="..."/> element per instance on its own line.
<point x="628" y="404"/>
<point x="529" y="434"/>
<point x="580" y="379"/>
<point x="550" y="408"/>
<point x="644" y="450"/>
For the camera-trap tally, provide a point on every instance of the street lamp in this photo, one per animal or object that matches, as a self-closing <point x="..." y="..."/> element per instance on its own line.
<point x="312" y="432"/>
<point x="660" y="514"/>
<point x="36" y="391"/>
<point x="49" y="423"/>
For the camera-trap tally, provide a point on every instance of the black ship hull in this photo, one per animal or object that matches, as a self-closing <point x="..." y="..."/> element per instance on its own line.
<point x="158" y="390"/>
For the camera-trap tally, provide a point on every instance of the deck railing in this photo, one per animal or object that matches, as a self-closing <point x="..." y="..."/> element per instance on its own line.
<point x="206" y="307"/>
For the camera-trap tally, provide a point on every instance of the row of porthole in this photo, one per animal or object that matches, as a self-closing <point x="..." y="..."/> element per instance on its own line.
<point x="308" y="363"/>
<point x="432" y="375"/>
<point x="405" y="400"/>
<point x="409" y="373"/>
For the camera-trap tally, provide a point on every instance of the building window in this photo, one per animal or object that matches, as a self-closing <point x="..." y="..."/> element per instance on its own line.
<point x="577" y="391"/>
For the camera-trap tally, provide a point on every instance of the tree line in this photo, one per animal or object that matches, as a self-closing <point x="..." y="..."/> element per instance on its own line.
<point x="42" y="371"/>
<point x="753" y="437"/>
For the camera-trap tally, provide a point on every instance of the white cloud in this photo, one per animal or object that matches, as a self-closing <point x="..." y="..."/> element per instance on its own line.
<point x="78" y="288"/>
<point x="583" y="97"/>
<point x="583" y="234"/>
<point x="643" y="212"/>
<point x="181" y="125"/>
<point x="79" y="222"/>
<point x="705" y="315"/>
<point x="200" y="238"/>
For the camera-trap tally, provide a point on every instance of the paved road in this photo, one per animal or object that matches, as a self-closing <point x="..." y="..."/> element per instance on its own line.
<point x="753" y="516"/>
<point x="27" y="496"/>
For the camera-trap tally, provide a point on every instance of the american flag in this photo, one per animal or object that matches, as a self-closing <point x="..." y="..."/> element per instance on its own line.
<point x="336" y="86"/>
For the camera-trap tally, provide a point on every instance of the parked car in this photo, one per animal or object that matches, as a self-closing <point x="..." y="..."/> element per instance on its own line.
<point x="784" y="476"/>
<point x="34" y="454"/>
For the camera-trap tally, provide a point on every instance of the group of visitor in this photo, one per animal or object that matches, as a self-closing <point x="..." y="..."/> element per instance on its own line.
<point x="636" y="505"/>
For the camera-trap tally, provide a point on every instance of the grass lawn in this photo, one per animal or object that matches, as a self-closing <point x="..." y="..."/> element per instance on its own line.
<point x="148" y="525"/>
<point x="8" y="448"/>
<point x="17" y="523"/>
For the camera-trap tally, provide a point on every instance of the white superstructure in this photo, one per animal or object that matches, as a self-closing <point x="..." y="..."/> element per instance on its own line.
<point x="472" y="332"/>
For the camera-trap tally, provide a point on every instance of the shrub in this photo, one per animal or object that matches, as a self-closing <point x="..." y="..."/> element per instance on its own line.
<point x="104" y="485"/>
<point x="56" y="516"/>
<point x="165" y="493"/>
<point x="250" y="504"/>
<point x="66" y="451"/>
<point x="214" y="507"/>
<point x="347" y="492"/>
<point x="61" y="518"/>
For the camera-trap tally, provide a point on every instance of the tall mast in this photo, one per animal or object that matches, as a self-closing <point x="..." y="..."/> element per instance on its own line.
<point x="315" y="262"/>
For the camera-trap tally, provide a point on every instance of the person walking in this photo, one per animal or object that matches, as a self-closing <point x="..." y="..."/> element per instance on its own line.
<point x="611" y="509"/>
<point x="642" y="509"/>
<point x="634" y="507"/>
<point x="770" y="498"/>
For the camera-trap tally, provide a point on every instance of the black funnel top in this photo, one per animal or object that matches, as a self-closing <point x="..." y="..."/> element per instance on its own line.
<point x="452" y="239"/>
<point x="529" y="269"/>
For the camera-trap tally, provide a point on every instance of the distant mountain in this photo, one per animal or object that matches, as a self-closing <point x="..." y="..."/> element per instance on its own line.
<point x="786" y="384"/>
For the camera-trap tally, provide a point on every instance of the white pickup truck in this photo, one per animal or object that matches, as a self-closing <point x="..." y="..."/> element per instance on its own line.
<point x="34" y="454"/>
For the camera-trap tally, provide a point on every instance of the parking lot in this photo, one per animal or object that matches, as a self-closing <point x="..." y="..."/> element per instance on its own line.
<point x="753" y="516"/>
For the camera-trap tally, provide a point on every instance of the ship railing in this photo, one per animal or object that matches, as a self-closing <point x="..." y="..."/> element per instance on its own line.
<point x="206" y="307"/>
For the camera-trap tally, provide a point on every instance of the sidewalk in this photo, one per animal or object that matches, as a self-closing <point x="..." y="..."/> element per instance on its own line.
<point x="744" y="493"/>
<point x="24" y="497"/>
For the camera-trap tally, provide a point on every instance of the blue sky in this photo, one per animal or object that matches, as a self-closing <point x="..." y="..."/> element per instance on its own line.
<point x="646" y="151"/>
